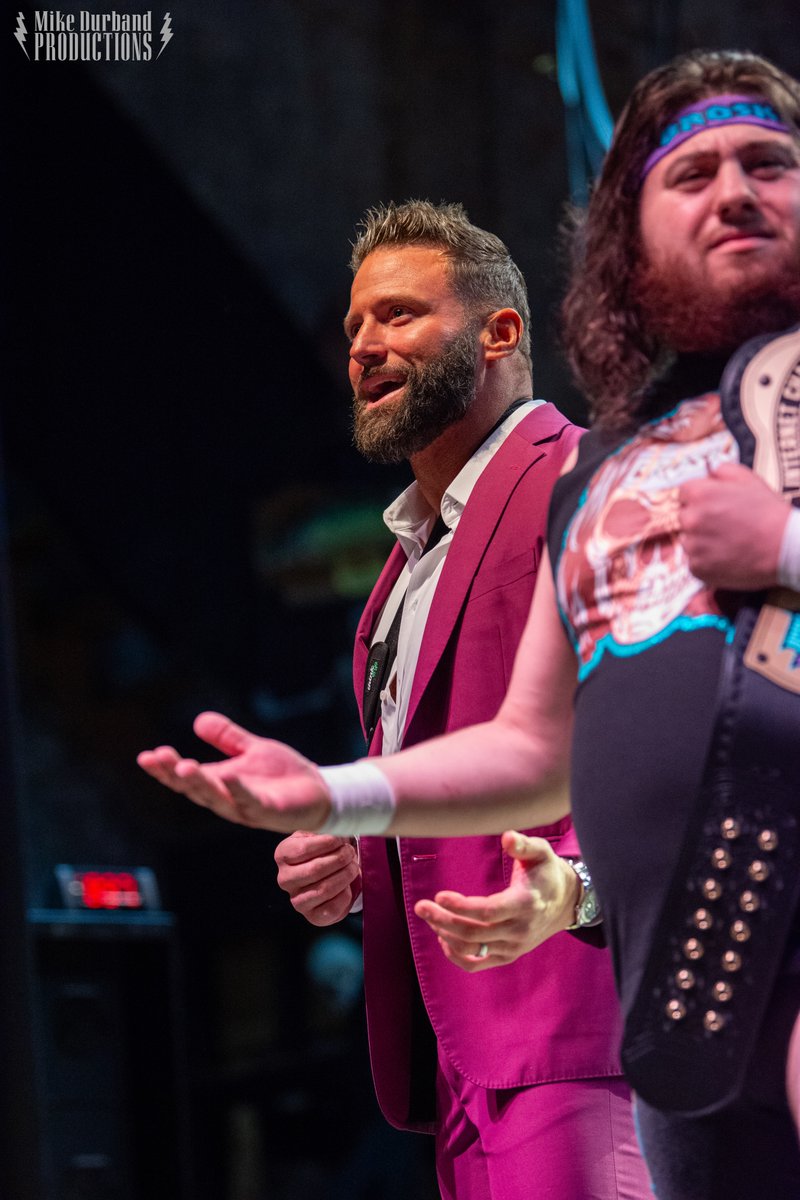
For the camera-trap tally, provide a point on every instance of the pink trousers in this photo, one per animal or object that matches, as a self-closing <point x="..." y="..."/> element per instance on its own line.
<point x="553" y="1141"/>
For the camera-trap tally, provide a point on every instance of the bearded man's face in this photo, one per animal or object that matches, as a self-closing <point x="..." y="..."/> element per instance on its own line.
<point x="436" y="394"/>
<point x="413" y="352"/>
<point x="720" y="233"/>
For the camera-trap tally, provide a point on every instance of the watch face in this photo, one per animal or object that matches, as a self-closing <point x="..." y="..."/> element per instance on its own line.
<point x="590" y="909"/>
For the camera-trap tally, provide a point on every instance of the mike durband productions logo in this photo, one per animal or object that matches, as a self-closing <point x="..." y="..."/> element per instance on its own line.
<point x="58" y="36"/>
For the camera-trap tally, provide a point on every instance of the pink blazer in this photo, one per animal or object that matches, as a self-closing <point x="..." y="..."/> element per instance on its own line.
<point x="553" y="1014"/>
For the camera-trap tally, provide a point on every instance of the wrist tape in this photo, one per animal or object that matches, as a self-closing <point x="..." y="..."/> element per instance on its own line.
<point x="789" y="557"/>
<point x="362" y="800"/>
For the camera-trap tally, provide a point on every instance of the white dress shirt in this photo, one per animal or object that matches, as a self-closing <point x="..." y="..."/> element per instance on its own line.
<point x="411" y="519"/>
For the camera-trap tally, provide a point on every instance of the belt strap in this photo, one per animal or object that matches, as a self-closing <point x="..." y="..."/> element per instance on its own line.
<point x="720" y="939"/>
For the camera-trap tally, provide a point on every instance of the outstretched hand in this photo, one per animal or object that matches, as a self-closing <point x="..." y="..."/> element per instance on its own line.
<point x="732" y="525"/>
<point x="539" y="901"/>
<point x="260" y="783"/>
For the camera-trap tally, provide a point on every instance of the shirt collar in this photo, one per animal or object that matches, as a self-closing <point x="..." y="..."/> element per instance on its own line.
<point x="410" y="517"/>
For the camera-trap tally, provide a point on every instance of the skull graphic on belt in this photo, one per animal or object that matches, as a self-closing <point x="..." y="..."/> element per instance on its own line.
<point x="623" y="574"/>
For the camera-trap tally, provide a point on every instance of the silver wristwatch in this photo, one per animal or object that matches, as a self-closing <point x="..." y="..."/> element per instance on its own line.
<point x="587" y="910"/>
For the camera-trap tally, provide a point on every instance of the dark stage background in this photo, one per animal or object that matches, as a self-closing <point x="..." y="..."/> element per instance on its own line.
<point x="188" y="527"/>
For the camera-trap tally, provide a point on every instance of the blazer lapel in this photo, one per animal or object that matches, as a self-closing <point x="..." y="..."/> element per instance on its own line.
<point x="487" y="502"/>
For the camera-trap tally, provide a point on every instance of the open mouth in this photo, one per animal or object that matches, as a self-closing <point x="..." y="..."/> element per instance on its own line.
<point x="380" y="388"/>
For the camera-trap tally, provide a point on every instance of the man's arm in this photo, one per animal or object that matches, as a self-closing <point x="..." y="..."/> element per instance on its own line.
<point x="733" y="528"/>
<point x="505" y="772"/>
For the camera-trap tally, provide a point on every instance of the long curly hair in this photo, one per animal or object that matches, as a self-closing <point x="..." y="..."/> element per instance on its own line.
<point x="611" y="354"/>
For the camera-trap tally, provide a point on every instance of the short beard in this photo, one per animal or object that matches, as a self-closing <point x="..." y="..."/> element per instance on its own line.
<point x="686" y="314"/>
<point x="437" y="395"/>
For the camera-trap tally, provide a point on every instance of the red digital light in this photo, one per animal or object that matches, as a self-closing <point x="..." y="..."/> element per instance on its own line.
<point x="109" y="889"/>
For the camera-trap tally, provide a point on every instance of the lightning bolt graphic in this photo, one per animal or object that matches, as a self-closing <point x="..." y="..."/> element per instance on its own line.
<point x="20" y="33"/>
<point x="166" y="34"/>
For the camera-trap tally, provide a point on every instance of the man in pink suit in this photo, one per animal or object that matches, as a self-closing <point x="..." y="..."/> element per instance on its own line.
<point x="514" y="1071"/>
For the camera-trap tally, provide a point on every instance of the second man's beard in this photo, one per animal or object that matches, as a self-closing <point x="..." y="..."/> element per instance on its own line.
<point x="688" y="314"/>
<point x="435" y="396"/>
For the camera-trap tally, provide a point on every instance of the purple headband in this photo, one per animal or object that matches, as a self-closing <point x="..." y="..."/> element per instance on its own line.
<point x="710" y="112"/>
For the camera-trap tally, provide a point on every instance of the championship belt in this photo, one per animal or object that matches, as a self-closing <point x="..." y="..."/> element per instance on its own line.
<point x="721" y="936"/>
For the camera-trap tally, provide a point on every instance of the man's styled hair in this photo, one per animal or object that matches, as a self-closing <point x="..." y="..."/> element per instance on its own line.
<point x="483" y="273"/>
<point x="612" y="356"/>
